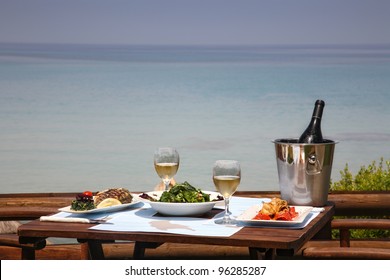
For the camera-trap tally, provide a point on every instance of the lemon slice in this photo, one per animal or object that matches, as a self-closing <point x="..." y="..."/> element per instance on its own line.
<point x="108" y="202"/>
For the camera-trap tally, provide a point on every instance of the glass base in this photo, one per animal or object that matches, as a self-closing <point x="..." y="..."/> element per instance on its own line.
<point x="226" y="221"/>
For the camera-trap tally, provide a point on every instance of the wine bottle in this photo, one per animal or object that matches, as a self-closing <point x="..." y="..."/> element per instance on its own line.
<point x="313" y="133"/>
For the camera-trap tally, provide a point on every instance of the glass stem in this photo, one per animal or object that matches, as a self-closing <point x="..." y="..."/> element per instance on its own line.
<point x="166" y="183"/>
<point x="227" y="212"/>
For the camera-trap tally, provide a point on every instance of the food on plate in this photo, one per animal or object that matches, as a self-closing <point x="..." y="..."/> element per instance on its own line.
<point x="184" y="193"/>
<point x="276" y="209"/>
<point x="181" y="193"/>
<point x="148" y="197"/>
<point x="108" y="202"/>
<point x="121" y="194"/>
<point x="110" y="197"/>
<point x="84" y="201"/>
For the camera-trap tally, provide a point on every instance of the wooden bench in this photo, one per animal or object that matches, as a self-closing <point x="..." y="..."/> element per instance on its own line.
<point x="27" y="250"/>
<point x="23" y="207"/>
<point x="360" y="204"/>
<point x="344" y="250"/>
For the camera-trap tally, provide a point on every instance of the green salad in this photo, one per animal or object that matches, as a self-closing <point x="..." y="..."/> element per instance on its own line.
<point x="184" y="193"/>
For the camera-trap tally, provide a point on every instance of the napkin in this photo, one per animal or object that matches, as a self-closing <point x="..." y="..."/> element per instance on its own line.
<point x="66" y="220"/>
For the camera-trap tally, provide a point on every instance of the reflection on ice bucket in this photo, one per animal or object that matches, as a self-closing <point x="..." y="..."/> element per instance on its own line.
<point x="304" y="171"/>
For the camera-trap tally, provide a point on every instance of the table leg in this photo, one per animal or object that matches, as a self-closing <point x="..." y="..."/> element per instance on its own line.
<point x="261" y="253"/>
<point x="325" y="233"/>
<point x="28" y="253"/>
<point x="269" y="254"/>
<point x="254" y="252"/>
<point x="287" y="253"/>
<point x="139" y="248"/>
<point x="95" y="248"/>
<point x="30" y="245"/>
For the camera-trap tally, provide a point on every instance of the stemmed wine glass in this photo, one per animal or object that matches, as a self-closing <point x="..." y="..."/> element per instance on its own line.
<point x="166" y="163"/>
<point x="226" y="177"/>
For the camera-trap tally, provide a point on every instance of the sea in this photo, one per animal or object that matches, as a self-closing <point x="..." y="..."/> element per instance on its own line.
<point x="89" y="117"/>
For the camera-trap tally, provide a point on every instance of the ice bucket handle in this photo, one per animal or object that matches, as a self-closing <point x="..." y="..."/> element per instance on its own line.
<point x="313" y="166"/>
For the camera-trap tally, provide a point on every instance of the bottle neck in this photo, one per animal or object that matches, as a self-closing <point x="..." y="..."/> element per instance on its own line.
<point x="315" y="123"/>
<point x="313" y="133"/>
<point x="318" y="109"/>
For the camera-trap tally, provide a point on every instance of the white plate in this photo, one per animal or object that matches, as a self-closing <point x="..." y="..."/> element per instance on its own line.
<point x="251" y="212"/>
<point x="114" y="208"/>
<point x="181" y="209"/>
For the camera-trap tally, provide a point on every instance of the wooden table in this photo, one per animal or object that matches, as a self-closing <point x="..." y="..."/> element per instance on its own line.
<point x="281" y="241"/>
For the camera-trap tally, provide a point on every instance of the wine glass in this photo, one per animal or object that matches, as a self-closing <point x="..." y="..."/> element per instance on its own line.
<point x="226" y="177"/>
<point x="166" y="163"/>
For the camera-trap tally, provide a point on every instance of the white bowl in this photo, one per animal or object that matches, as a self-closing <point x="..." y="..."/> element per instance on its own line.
<point x="181" y="208"/>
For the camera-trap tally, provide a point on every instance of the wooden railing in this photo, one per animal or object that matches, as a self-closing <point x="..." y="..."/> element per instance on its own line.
<point x="357" y="205"/>
<point x="374" y="248"/>
<point x="28" y="206"/>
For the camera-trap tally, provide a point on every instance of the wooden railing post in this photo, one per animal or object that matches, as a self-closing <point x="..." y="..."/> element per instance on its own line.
<point x="344" y="237"/>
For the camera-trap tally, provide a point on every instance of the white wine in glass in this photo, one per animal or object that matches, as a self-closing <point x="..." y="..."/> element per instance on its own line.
<point x="166" y="163"/>
<point x="226" y="177"/>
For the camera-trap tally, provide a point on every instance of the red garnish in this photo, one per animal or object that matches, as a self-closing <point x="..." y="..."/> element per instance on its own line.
<point x="87" y="193"/>
<point x="261" y="216"/>
<point x="286" y="215"/>
<point x="86" y="196"/>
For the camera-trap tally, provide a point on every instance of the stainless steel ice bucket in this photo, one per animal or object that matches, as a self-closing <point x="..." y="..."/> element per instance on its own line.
<point x="304" y="171"/>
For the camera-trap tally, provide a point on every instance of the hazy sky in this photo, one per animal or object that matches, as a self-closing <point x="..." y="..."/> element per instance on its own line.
<point x="195" y="21"/>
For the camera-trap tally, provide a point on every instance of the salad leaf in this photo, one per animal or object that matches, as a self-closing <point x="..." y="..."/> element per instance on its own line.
<point x="184" y="192"/>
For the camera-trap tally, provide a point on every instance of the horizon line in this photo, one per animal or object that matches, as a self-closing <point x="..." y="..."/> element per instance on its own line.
<point x="202" y="44"/>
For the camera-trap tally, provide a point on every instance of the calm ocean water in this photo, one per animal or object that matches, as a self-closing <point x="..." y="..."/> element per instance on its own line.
<point x="89" y="117"/>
